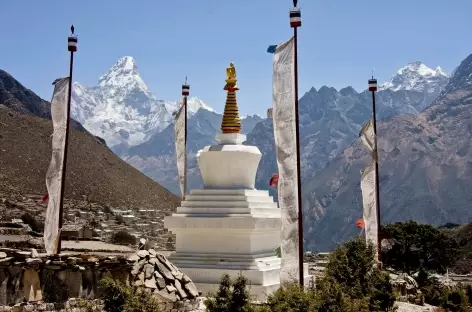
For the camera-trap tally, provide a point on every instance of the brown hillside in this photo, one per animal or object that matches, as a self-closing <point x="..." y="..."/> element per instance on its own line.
<point x="92" y="169"/>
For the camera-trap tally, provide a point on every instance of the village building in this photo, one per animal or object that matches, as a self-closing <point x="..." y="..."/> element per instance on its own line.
<point x="76" y="232"/>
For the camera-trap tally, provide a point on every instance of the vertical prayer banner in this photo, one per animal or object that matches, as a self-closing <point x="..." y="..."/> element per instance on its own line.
<point x="367" y="136"/>
<point x="369" y="200"/>
<point x="283" y="114"/>
<point x="368" y="185"/>
<point x="54" y="174"/>
<point x="180" y="149"/>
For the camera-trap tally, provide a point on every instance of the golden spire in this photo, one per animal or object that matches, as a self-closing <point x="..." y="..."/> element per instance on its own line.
<point x="231" y="122"/>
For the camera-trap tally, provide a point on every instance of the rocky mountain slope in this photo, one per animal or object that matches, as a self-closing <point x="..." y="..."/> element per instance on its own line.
<point x="121" y="109"/>
<point x="330" y="120"/>
<point x="94" y="170"/>
<point x="425" y="170"/>
<point x="20" y="99"/>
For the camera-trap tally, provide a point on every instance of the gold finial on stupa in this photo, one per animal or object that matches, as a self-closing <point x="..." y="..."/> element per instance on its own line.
<point x="231" y="122"/>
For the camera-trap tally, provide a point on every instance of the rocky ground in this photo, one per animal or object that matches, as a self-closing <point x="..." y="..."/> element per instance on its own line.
<point x="408" y="307"/>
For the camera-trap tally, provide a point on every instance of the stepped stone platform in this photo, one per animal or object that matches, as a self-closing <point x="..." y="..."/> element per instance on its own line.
<point x="228" y="231"/>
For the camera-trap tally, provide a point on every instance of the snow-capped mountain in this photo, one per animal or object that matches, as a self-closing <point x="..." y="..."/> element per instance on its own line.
<point x="419" y="80"/>
<point x="416" y="76"/>
<point x="121" y="109"/>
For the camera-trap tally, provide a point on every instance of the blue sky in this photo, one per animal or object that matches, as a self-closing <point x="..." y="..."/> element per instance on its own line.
<point x="339" y="43"/>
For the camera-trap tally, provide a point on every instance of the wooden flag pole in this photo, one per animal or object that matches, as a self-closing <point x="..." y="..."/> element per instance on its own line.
<point x="71" y="47"/>
<point x="185" y="93"/>
<point x="373" y="89"/>
<point x="295" y="22"/>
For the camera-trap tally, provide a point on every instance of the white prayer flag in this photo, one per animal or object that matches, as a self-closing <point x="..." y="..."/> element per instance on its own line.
<point x="180" y="148"/>
<point x="54" y="181"/>
<point x="283" y="114"/>
<point x="368" y="185"/>
<point x="367" y="135"/>
<point x="369" y="200"/>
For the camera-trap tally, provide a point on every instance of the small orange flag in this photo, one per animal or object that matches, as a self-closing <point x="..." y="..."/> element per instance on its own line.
<point x="360" y="223"/>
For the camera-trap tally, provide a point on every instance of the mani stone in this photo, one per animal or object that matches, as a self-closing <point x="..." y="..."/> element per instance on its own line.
<point x="161" y="282"/>
<point x="137" y="267"/>
<point x="192" y="289"/>
<point x="140" y="280"/>
<point x="165" y="271"/>
<point x="133" y="258"/>
<point x="178" y="275"/>
<point x="148" y="270"/>
<point x="171" y="288"/>
<point x="164" y="296"/>
<point x="180" y="290"/>
<point x="143" y="253"/>
<point x="150" y="283"/>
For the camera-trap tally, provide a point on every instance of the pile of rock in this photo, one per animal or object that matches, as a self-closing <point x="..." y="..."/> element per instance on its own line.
<point x="29" y="279"/>
<point x="159" y="276"/>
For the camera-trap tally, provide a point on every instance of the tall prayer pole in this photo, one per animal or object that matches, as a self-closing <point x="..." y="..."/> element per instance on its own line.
<point x="373" y="89"/>
<point x="185" y="93"/>
<point x="295" y="22"/>
<point x="71" y="47"/>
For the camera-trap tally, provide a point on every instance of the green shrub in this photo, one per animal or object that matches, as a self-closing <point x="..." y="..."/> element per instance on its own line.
<point x="123" y="238"/>
<point x="293" y="298"/>
<point x="114" y="295"/>
<point x="231" y="296"/>
<point x="120" y="298"/>
<point x="381" y="298"/>
<point x="456" y="301"/>
<point x="352" y="283"/>
<point x="418" y="245"/>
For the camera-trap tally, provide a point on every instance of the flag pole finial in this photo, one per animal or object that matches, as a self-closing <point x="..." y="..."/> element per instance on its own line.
<point x="231" y="122"/>
<point x="185" y="88"/>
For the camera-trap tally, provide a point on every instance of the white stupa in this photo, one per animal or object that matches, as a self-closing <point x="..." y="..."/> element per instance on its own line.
<point x="229" y="226"/>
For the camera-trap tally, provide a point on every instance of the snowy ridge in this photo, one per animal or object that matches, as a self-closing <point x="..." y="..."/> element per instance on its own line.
<point x="121" y="109"/>
<point x="416" y="76"/>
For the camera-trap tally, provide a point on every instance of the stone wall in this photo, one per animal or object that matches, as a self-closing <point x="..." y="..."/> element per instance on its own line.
<point x="27" y="277"/>
<point x="75" y="305"/>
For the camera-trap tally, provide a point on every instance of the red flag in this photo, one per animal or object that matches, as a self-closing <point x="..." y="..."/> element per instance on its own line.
<point x="274" y="180"/>
<point x="360" y="223"/>
<point x="45" y="198"/>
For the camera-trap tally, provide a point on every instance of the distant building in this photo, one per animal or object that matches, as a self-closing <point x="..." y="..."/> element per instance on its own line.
<point x="143" y="226"/>
<point x="128" y="219"/>
<point x="147" y="212"/>
<point x="76" y="232"/>
<point x="70" y="217"/>
<point x="118" y="212"/>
